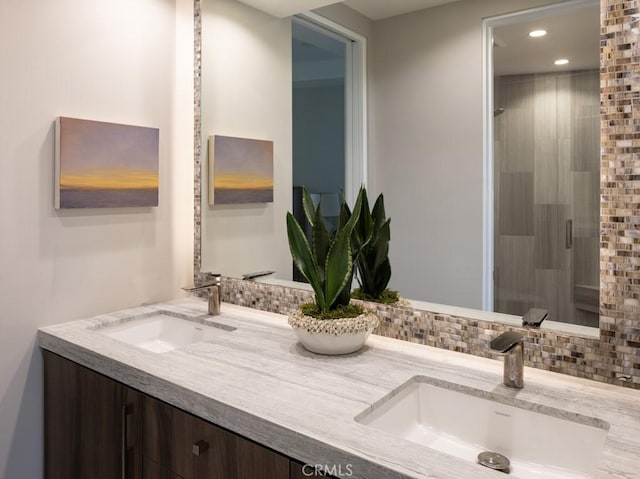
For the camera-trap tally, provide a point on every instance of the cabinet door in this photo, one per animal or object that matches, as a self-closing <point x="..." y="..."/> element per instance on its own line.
<point x="296" y="470"/>
<point x="212" y="451"/>
<point x="92" y="426"/>
<point x="167" y="437"/>
<point x="151" y="470"/>
<point x="253" y="460"/>
<point x="184" y="444"/>
<point x="195" y="449"/>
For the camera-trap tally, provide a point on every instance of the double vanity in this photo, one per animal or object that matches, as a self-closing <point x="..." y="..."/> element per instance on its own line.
<point x="168" y="391"/>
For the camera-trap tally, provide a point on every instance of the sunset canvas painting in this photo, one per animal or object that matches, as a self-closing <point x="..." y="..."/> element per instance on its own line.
<point x="241" y="170"/>
<point x="105" y="165"/>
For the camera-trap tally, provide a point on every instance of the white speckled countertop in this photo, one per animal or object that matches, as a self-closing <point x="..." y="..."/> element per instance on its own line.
<point x="259" y="382"/>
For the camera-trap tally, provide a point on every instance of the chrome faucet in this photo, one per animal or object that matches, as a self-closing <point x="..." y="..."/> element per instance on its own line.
<point x="534" y="317"/>
<point x="511" y="345"/>
<point x="214" y="290"/>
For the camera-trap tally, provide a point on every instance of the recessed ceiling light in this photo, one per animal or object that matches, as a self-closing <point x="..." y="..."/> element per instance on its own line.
<point x="561" y="61"/>
<point x="537" y="33"/>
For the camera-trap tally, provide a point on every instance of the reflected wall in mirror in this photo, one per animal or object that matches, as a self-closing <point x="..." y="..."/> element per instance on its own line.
<point x="246" y="92"/>
<point x="425" y="152"/>
<point x="546" y="163"/>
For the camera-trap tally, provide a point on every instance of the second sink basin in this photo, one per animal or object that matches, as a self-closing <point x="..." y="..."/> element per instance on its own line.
<point x="541" y="442"/>
<point x="161" y="332"/>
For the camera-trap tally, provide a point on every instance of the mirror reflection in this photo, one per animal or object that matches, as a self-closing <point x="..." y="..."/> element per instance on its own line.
<point x="531" y="240"/>
<point x="546" y="161"/>
<point x="319" y="62"/>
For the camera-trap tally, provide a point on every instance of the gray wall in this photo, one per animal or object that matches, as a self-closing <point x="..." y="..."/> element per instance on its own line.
<point x="118" y="61"/>
<point x="426" y="153"/>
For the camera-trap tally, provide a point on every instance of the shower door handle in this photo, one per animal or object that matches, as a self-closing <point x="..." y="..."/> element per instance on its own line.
<point x="568" y="237"/>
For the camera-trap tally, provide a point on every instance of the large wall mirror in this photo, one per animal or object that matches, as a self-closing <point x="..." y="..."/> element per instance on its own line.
<point x="544" y="162"/>
<point x="485" y="146"/>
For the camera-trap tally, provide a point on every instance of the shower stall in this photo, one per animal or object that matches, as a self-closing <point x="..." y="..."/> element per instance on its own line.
<point x="546" y="194"/>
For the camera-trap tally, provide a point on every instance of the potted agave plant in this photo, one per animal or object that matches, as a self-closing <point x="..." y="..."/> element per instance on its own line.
<point x="331" y="324"/>
<point x="370" y="243"/>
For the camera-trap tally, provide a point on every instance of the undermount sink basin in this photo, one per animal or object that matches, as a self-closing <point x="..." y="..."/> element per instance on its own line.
<point x="540" y="442"/>
<point x="161" y="332"/>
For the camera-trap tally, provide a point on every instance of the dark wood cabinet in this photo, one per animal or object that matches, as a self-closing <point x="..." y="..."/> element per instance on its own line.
<point x="92" y="426"/>
<point x="152" y="470"/>
<point x="167" y="437"/>
<point x="195" y="449"/>
<point x="296" y="471"/>
<point x="184" y="444"/>
<point x="100" y="429"/>
<point x="253" y="460"/>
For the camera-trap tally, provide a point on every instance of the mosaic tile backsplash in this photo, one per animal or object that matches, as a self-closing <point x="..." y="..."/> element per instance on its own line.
<point x="544" y="349"/>
<point x="615" y="357"/>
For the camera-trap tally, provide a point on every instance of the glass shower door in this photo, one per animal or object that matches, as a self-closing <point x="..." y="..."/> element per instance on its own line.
<point x="546" y="194"/>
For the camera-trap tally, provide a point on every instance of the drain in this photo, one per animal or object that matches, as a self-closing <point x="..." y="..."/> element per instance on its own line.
<point x="493" y="460"/>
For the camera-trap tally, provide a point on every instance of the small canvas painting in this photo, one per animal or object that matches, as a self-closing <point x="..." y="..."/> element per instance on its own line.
<point x="240" y="170"/>
<point x="105" y="165"/>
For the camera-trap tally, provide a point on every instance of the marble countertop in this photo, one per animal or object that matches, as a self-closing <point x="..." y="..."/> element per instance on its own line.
<point x="260" y="383"/>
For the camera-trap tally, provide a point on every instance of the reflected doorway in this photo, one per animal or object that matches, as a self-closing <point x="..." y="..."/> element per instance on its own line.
<point x="326" y="146"/>
<point x="546" y="164"/>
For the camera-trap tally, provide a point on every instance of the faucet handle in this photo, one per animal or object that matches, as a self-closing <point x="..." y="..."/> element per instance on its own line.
<point x="257" y="274"/>
<point x="534" y="317"/>
<point x="506" y="341"/>
<point x="213" y="289"/>
<point x="210" y="284"/>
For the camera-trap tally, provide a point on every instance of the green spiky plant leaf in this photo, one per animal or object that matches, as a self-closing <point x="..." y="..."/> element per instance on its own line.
<point x="370" y="245"/>
<point x="310" y="211"/>
<point x="304" y="259"/>
<point x="327" y="263"/>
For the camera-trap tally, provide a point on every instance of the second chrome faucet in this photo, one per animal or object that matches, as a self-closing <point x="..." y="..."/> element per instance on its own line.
<point x="511" y="345"/>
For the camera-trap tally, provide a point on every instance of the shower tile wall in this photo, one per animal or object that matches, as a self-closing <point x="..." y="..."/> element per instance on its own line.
<point x="546" y="167"/>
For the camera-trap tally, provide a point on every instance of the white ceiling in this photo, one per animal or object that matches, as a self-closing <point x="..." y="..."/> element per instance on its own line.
<point x="286" y="8"/>
<point x="374" y="9"/>
<point x="574" y="35"/>
<point x="379" y="9"/>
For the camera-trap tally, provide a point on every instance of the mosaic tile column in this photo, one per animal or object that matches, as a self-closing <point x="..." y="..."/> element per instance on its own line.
<point x="620" y="187"/>
<point x="197" y="134"/>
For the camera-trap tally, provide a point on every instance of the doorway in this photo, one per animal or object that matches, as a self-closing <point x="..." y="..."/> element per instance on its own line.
<point x="328" y="117"/>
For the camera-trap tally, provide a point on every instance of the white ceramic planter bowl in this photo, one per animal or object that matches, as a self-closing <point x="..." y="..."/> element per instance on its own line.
<point x="333" y="336"/>
<point x="325" y="343"/>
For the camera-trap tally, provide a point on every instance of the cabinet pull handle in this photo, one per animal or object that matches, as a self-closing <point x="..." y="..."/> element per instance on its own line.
<point x="200" y="448"/>
<point x="127" y="410"/>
